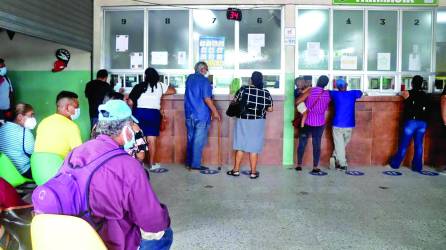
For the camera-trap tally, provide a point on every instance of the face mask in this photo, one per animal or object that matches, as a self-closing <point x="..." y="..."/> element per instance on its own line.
<point x="30" y="123"/>
<point x="206" y="75"/>
<point x="77" y="113"/>
<point x="3" y="71"/>
<point x="128" y="143"/>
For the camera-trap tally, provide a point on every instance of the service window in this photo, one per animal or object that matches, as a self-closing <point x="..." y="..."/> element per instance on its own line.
<point x="213" y="38"/>
<point x="124" y="39"/>
<point x="168" y="39"/>
<point x="313" y="40"/>
<point x="348" y="39"/>
<point x="440" y="31"/>
<point x="382" y="40"/>
<point x="260" y="39"/>
<point x="417" y="41"/>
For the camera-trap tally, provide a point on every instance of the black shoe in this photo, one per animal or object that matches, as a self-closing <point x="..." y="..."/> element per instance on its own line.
<point x="343" y="168"/>
<point x="200" y="168"/>
<point x="315" y="170"/>
<point x="233" y="173"/>
<point x="298" y="168"/>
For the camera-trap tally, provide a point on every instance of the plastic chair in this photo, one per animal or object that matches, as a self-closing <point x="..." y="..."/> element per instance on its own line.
<point x="55" y="232"/>
<point x="10" y="173"/>
<point x="45" y="166"/>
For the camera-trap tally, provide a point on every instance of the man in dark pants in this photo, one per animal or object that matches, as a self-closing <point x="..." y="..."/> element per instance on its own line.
<point x="95" y="92"/>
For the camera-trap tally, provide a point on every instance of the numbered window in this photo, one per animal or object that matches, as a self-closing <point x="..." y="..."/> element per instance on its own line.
<point x="260" y="39"/>
<point x="124" y="36"/>
<point x="313" y="40"/>
<point x="417" y="41"/>
<point x="382" y="40"/>
<point x="213" y="38"/>
<point x="348" y="39"/>
<point x="169" y="39"/>
<point x="441" y="42"/>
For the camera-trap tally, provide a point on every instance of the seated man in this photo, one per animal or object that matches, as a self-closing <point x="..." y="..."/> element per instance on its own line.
<point x="120" y="192"/>
<point x="58" y="133"/>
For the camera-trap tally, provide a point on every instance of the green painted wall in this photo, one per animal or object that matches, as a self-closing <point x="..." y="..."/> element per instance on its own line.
<point x="40" y="88"/>
<point x="288" y="116"/>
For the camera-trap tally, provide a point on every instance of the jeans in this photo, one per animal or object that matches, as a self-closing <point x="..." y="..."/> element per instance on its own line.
<point x="197" y="136"/>
<point x="415" y="129"/>
<point x="162" y="244"/>
<point x="316" y="134"/>
<point x="341" y="137"/>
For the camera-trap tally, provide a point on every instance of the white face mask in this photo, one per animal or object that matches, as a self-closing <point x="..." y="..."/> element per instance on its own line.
<point x="30" y="123"/>
<point x="3" y="71"/>
<point x="77" y="113"/>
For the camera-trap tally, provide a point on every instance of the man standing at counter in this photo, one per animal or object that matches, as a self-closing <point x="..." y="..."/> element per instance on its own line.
<point x="198" y="108"/>
<point x="343" y="121"/>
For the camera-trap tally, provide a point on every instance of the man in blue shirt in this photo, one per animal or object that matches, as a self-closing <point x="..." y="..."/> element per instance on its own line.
<point x="198" y="108"/>
<point x="343" y="121"/>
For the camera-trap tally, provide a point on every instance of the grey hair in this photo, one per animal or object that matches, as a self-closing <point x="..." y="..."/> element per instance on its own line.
<point x="199" y="66"/>
<point x="111" y="128"/>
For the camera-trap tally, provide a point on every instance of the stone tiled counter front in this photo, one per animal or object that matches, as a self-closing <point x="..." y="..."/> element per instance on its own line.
<point x="375" y="138"/>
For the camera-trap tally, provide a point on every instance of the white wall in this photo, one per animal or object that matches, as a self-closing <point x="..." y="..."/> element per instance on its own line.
<point x="26" y="53"/>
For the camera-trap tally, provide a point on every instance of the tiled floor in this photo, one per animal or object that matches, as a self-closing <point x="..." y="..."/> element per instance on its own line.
<point x="284" y="209"/>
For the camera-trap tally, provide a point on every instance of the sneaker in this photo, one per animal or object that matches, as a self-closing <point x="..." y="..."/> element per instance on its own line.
<point x="298" y="168"/>
<point x="155" y="166"/>
<point x="315" y="170"/>
<point x="334" y="162"/>
<point x="200" y="168"/>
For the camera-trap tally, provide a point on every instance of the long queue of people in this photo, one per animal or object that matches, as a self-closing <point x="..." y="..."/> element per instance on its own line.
<point x="109" y="168"/>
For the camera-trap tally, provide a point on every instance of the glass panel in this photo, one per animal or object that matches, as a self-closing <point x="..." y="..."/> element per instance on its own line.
<point x="124" y="34"/>
<point x="271" y="81"/>
<point x="348" y="39"/>
<point x="382" y="40"/>
<point x="407" y="81"/>
<point x="441" y="42"/>
<point x="417" y="40"/>
<point x="388" y="82"/>
<point x="213" y="38"/>
<point x="313" y="40"/>
<point x="169" y="32"/>
<point x="354" y="82"/>
<point x="374" y="83"/>
<point x="260" y="39"/>
<point x="177" y="81"/>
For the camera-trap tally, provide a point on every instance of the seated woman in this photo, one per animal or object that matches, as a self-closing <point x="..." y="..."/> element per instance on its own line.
<point x="16" y="139"/>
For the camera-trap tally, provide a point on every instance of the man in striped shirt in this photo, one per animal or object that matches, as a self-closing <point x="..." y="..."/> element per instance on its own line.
<point x="317" y="104"/>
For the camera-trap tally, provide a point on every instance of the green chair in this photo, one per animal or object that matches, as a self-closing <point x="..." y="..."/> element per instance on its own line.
<point x="45" y="166"/>
<point x="10" y="173"/>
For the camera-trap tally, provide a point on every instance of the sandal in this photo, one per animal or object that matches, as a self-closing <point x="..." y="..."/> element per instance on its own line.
<point x="233" y="173"/>
<point x="254" y="175"/>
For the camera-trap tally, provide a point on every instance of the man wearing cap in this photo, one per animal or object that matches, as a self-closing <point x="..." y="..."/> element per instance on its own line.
<point x="198" y="108"/>
<point x="120" y="191"/>
<point x="343" y="121"/>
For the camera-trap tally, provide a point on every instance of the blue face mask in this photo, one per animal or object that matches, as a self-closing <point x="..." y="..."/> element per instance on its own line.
<point x="3" y="71"/>
<point x="128" y="144"/>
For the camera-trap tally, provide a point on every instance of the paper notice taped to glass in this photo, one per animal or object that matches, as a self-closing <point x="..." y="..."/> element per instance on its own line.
<point x="136" y="60"/>
<point x="349" y="62"/>
<point x="313" y="49"/>
<point x="159" y="57"/>
<point x="182" y="57"/>
<point x="256" y="40"/>
<point x="414" y="62"/>
<point x="122" y="43"/>
<point x="383" y="61"/>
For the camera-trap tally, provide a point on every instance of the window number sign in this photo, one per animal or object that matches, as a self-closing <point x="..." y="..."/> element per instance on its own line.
<point x="167" y="20"/>
<point x="348" y="21"/>
<point x="234" y="14"/>
<point x="383" y="21"/>
<point x="416" y="22"/>
<point x="123" y="21"/>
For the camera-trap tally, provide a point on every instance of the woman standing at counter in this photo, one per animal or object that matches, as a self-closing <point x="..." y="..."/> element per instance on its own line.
<point x="416" y="111"/>
<point x="250" y="125"/>
<point x="146" y="101"/>
<point x="317" y="104"/>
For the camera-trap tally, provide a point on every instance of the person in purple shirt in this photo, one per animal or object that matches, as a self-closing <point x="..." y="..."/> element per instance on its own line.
<point x="120" y="192"/>
<point x="198" y="108"/>
<point x="316" y="101"/>
<point x="343" y="121"/>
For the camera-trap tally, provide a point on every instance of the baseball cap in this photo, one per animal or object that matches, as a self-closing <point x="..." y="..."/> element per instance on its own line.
<point x="340" y="83"/>
<point x="115" y="110"/>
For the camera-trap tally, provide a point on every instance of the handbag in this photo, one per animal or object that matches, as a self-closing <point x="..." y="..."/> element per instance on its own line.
<point x="236" y="107"/>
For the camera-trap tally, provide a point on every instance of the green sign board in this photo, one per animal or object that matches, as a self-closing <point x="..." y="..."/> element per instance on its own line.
<point x="419" y="3"/>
